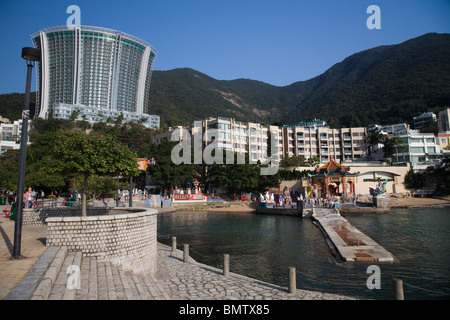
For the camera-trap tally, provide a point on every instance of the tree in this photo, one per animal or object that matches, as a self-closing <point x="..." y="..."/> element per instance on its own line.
<point x="294" y="161"/>
<point x="100" y="186"/>
<point x="9" y="165"/>
<point x="312" y="162"/>
<point x="239" y="178"/>
<point x="119" y="119"/>
<point x="414" y="180"/>
<point x="298" y="161"/>
<point x="164" y="172"/>
<point x="41" y="164"/>
<point x="393" y="145"/>
<point x="74" y="115"/>
<point x="89" y="155"/>
<point x="436" y="178"/>
<point x="42" y="175"/>
<point x="374" y="138"/>
<point x="439" y="177"/>
<point x="236" y="177"/>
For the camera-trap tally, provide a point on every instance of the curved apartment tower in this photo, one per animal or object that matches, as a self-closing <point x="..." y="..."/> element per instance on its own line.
<point x="96" y="71"/>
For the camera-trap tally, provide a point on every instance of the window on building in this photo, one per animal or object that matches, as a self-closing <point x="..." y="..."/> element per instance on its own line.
<point x="417" y="149"/>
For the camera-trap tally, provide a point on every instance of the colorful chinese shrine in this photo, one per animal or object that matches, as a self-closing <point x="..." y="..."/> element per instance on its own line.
<point x="333" y="179"/>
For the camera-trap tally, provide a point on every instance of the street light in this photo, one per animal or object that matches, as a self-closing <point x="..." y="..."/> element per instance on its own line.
<point x="31" y="55"/>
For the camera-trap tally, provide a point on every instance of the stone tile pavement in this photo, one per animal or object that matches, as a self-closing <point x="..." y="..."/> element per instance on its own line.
<point x="33" y="246"/>
<point x="196" y="281"/>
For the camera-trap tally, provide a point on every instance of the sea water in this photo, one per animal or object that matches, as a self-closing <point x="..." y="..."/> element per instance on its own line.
<point x="263" y="247"/>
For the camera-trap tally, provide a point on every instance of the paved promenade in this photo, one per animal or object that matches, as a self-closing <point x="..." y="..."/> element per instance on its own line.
<point x="33" y="246"/>
<point x="43" y="275"/>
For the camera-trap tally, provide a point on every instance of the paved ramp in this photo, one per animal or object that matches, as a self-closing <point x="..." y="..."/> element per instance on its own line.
<point x="350" y="243"/>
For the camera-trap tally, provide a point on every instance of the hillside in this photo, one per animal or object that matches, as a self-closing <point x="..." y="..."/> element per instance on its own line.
<point x="386" y="84"/>
<point x="11" y="105"/>
<point x="186" y="95"/>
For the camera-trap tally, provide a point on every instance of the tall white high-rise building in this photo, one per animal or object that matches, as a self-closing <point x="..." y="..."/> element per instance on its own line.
<point x="93" y="70"/>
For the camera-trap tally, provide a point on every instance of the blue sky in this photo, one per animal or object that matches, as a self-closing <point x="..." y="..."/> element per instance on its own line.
<point x="277" y="42"/>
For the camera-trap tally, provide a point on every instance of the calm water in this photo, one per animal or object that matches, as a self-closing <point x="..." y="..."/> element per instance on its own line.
<point x="263" y="247"/>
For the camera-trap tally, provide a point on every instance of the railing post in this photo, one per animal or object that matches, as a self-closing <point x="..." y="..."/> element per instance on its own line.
<point x="174" y="244"/>
<point x="398" y="289"/>
<point x="292" y="280"/>
<point x="185" y="252"/>
<point x="226" y="265"/>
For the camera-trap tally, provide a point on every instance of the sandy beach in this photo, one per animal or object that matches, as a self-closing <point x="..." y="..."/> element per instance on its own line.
<point x="416" y="202"/>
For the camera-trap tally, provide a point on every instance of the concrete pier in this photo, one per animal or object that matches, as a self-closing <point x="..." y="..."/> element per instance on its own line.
<point x="347" y="241"/>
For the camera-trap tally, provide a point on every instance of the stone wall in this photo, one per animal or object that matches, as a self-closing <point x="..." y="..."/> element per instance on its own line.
<point x="128" y="240"/>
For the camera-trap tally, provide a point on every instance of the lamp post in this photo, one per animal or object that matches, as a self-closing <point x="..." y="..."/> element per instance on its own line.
<point x="31" y="55"/>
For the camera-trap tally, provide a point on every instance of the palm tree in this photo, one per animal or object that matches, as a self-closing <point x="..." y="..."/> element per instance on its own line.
<point x="393" y="145"/>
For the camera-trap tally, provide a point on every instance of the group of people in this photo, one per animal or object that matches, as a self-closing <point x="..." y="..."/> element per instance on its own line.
<point x="328" y="202"/>
<point x="283" y="198"/>
<point x="29" y="197"/>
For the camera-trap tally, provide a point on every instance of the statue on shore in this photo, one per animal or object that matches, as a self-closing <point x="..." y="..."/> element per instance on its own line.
<point x="380" y="189"/>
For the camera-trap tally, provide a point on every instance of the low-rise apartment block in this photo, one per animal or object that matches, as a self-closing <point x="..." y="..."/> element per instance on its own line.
<point x="345" y="144"/>
<point x="10" y="134"/>
<point x="422" y="150"/>
<point x="248" y="138"/>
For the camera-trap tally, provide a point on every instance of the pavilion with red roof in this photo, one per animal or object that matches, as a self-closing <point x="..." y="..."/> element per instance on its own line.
<point x="334" y="179"/>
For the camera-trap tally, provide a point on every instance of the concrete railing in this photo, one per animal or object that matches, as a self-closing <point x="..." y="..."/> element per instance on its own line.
<point x="38" y="216"/>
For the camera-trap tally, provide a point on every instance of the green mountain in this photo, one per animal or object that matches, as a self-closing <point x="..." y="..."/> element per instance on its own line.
<point x="11" y="105"/>
<point x="186" y="95"/>
<point x="386" y="84"/>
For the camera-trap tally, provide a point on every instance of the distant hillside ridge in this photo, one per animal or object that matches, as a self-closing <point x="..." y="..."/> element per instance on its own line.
<point x="384" y="85"/>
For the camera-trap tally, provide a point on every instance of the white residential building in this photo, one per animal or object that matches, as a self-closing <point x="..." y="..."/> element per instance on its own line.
<point x="241" y="137"/>
<point x="422" y="150"/>
<point x="10" y="135"/>
<point x="92" y="115"/>
<point x="345" y="144"/>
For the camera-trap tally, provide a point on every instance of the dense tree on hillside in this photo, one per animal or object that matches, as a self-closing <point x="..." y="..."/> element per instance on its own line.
<point x="11" y="105"/>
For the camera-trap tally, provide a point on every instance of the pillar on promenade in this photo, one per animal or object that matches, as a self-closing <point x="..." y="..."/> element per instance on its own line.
<point x="292" y="280"/>
<point x="174" y="244"/>
<point x="186" y="253"/>
<point x="226" y="265"/>
<point x="398" y="289"/>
